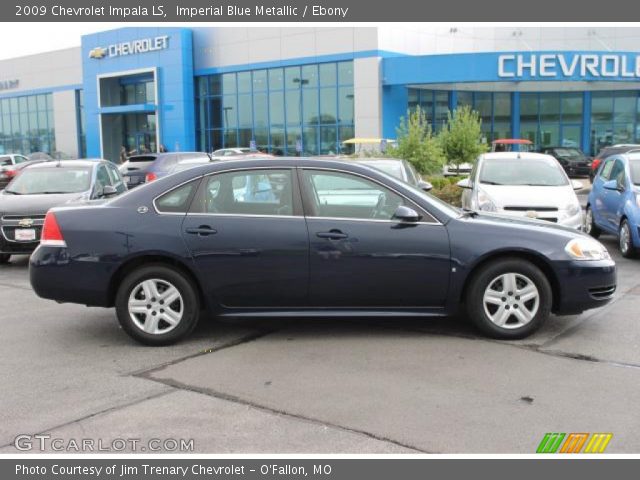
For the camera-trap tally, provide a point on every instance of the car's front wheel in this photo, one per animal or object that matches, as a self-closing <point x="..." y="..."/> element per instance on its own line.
<point x="157" y="305"/>
<point x="590" y="226"/>
<point x="4" y="258"/>
<point x="509" y="299"/>
<point x="626" y="241"/>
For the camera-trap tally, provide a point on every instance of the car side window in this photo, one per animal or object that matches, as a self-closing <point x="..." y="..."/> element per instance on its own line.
<point x="5" y="161"/>
<point x="617" y="172"/>
<point x="343" y="195"/>
<point x="605" y="173"/>
<point x="102" y="178"/>
<point x="116" y="178"/>
<point x="247" y="192"/>
<point x="20" y="159"/>
<point x="178" y="199"/>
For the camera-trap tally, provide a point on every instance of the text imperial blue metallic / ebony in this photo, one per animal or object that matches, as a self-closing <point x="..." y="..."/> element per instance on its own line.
<point x="304" y="237"/>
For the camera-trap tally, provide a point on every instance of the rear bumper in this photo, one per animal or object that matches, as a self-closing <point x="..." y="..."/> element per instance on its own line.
<point x="54" y="275"/>
<point x="584" y="285"/>
<point x="17" y="248"/>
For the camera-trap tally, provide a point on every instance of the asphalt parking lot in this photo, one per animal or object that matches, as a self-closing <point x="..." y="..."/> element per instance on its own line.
<point x="314" y="386"/>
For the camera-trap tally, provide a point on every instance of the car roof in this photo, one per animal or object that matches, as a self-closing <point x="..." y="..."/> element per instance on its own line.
<point x="70" y="163"/>
<point x="376" y="159"/>
<point x="515" y="155"/>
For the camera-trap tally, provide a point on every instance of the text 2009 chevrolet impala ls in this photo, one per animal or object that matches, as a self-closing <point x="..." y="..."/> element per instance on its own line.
<point x="302" y="237"/>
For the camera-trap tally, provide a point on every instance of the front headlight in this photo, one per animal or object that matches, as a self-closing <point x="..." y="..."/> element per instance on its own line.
<point x="586" y="249"/>
<point x="485" y="202"/>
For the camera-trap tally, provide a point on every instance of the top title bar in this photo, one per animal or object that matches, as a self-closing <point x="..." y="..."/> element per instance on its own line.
<point x="158" y="11"/>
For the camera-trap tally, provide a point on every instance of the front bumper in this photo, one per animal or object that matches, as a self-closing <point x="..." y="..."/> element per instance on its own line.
<point x="584" y="285"/>
<point x="558" y="217"/>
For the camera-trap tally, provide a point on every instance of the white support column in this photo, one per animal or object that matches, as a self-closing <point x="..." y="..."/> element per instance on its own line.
<point x="65" y="122"/>
<point x="367" y="97"/>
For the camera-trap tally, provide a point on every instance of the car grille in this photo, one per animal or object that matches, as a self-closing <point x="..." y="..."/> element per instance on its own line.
<point x="527" y="209"/>
<point x="602" y="293"/>
<point x="10" y="223"/>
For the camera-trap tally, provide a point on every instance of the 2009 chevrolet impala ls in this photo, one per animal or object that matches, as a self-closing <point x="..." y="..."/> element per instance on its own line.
<point x="303" y="237"/>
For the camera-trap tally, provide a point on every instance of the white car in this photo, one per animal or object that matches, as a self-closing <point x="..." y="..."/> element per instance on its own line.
<point x="523" y="184"/>
<point x="451" y="170"/>
<point x="10" y="159"/>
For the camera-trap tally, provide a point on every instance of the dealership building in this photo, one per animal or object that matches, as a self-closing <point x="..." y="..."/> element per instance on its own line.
<point x="304" y="90"/>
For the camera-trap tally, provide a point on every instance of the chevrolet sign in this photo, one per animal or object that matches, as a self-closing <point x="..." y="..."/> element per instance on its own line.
<point x="566" y="65"/>
<point x="133" y="47"/>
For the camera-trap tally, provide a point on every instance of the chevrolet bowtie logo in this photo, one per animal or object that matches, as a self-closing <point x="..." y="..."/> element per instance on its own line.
<point x="98" y="53"/>
<point x="25" y="222"/>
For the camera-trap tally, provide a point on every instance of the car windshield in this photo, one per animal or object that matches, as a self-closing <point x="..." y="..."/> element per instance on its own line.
<point x="542" y="172"/>
<point x="390" y="168"/>
<point x="37" y="181"/>
<point x="568" y="153"/>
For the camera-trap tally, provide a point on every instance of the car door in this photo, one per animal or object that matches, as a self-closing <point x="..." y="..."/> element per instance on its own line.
<point x="248" y="238"/>
<point x="601" y="195"/>
<point x="613" y="200"/>
<point x="360" y="256"/>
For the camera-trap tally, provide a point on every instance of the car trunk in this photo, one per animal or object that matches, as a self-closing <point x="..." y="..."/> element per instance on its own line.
<point x="134" y="170"/>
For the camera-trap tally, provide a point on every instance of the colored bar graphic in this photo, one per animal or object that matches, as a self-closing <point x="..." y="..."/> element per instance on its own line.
<point x="574" y="442"/>
<point x="550" y="443"/>
<point x="598" y="442"/>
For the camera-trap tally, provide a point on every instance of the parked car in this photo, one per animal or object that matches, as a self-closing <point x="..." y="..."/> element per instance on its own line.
<point x="9" y="172"/>
<point x="189" y="163"/>
<point x="11" y="159"/>
<point x="613" y="205"/>
<point x="573" y="160"/>
<point x="511" y="145"/>
<point x="139" y="169"/>
<point x="397" y="168"/>
<point x="523" y="185"/>
<point x="606" y="152"/>
<point x="452" y="170"/>
<point x="256" y="238"/>
<point x="28" y="197"/>
<point x="231" y="152"/>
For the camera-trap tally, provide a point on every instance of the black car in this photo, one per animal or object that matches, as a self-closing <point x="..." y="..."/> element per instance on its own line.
<point x="299" y="237"/>
<point x="397" y="168"/>
<point x="573" y="160"/>
<point x="144" y="168"/>
<point x="28" y="197"/>
<point x="609" y="151"/>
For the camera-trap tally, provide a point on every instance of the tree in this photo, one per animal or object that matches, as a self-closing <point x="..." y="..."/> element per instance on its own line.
<point x="417" y="144"/>
<point x="460" y="139"/>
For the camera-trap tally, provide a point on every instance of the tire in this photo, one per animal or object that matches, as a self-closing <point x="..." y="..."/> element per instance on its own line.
<point x="497" y="313"/>
<point x="152" y="321"/>
<point x="590" y="226"/>
<point x="4" y="258"/>
<point x="625" y="240"/>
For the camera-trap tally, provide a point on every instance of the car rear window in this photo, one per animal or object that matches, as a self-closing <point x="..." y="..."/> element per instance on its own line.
<point x="142" y="158"/>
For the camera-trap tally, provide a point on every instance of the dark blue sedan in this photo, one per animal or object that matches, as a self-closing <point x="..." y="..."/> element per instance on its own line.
<point x="302" y="237"/>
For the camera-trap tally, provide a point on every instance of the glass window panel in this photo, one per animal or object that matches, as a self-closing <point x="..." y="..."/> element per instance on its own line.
<point x="31" y="102"/>
<point x="413" y="98"/>
<point x="259" y="80"/>
<point x="501" y="130"/>
<point x="229" y="83"/>
<point x="261" y="136"/>
<point x="245" y="135"/>
<point x="484" y="105"/>
<point x="345" y="104"/>
<point x="465" y="98"/>
<point x="245" y="118"/>
<point x="215" y="139"/>
<point x="276" y="108"/>
<point x="549" y="135"/>
<point x="528" y="107"/>
<point x="293" y="137"/>
<point x="529" y="131"/>
<point x="442" y="109"/>
<point x="229" y="111"/>
<point x="623" y="133"/>
<point x="244" y="82"/>
<point x="309" y="76"/>
<point x="572" y="107"/>
<point x="277" y="141"/>
<point x="310" y="106"/>
<point x="230" y="138"/>
<point x="42" y="121"/>
<point x="215" y="112"/>
<point x="624" y="106"/>
<point x="293" y="106"/>
<point x="202" y="86"/>
<point x="549" y="108"/>
<point x="49" y="98"/>
<point x="260" y="113"/>
<point x="276" y="79"/>
<point x="501" y="107"/>
<point x="601" y="136"/>
<point x="292" y="77"/>
<point x="22" y="104"/>
<point x="345" y="133"/>
<point x="310" y="141"/>
<point x="601" y="107"/>
<point x="328" y="141"/>
<point x="571" y="136"/>
<point x="215" y="84"/>
<point x="328" y="105"/>
<point x="328" y="76"/>
<point x="345" y="73"/>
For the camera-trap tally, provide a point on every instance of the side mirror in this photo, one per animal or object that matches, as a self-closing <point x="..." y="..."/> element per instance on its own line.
<point x="406" y="214"/>
<point x="108" y="191"/>
<point x="424" y="185"/>
<point x="612" y="185"/>
<point x="577" y="185"/>
<point x="466" y="183"/>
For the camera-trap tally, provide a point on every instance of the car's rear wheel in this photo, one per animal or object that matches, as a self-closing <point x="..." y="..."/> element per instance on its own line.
<point x="509" y="299"/>
<point x="589" y="225"/>
<point x="625" y="240"/>
<point x="4" y="258"/>
<point x="157" y="305"/>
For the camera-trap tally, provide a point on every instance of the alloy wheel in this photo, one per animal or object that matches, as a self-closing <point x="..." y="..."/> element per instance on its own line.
<point x="155" y="306"/>
<point x="511" y="300"/>
<point x="625" y="238"/>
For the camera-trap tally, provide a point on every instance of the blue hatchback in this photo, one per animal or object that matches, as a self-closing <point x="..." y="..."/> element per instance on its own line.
<point x="614" y="202"/>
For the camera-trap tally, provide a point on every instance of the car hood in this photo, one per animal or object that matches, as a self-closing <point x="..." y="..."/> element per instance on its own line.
<point x="529" y="196"/>
<point x="34" y="204"/>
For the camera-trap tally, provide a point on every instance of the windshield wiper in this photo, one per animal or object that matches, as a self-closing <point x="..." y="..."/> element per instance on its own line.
<point x="489" y="182"/>
<point x="51" y="192"/>
<point x="12" y="192"/>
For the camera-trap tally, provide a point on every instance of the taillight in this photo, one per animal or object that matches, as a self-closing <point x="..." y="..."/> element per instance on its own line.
<point x="10" y="173"/>
<point x="150" y="177"/>
<point x="51" y="234"/>
<point x="595" y="163"/>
